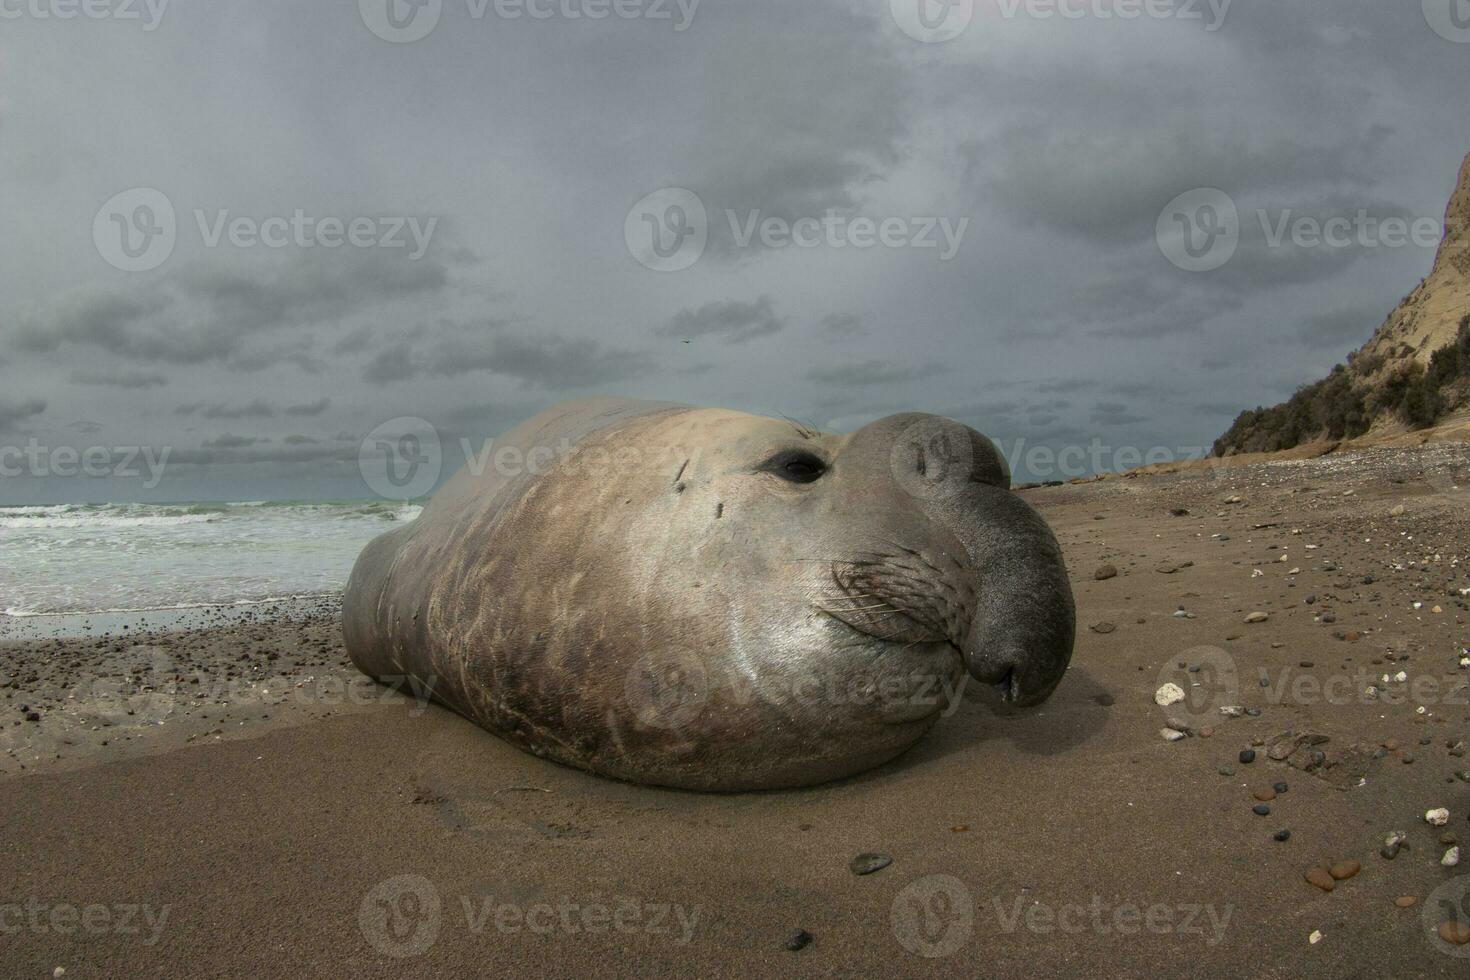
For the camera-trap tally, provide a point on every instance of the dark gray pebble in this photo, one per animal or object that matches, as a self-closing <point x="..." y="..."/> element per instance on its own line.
<point x="868" y="862"/>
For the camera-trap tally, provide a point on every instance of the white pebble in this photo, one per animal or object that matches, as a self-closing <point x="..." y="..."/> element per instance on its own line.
<point x="1437" y="817"/>
<point x="1168" y="694"/>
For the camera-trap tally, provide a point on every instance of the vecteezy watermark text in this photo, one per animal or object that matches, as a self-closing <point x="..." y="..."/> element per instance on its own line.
<point x="670" y="229"/>
<point x="1201" y="230"/>
<point x="406" y="21"/>
<point x="934" y="917"/>
<point x="137" y="230"/>
<point x="127" y="462"/>
<point x="94" y="919"/>
<point x="402" y="916"/>
<point x="148" y="12"/>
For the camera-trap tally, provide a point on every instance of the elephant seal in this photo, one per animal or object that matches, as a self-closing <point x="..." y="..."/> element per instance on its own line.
<point x="706" y="599"/>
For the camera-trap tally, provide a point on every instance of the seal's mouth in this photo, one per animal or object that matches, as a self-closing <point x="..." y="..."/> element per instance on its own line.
<point x="1005" y="682"/>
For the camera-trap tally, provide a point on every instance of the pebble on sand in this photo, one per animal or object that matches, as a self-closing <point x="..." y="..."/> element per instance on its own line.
<point x="1265" y="795"/>
<point x="1247" y="756"/>
<point x="1282" y="835"/>
<point x="1457" y="933"/>
<point x="1437" y="817"/>
<point x="1257" y="617"/>
<point x="1343" y="870"/>
<point x="1451" y="857"/>
<point x="800" y="939"/>
<point x="1170" y="693"/>
<point x="868" y="862"/>
<point x="1105" y="572"/>
<point x="1261" y="810"/>
<point x="1170" y="735"/>
<point x="1406" y="901"/>
<point x="1321" y="878"/>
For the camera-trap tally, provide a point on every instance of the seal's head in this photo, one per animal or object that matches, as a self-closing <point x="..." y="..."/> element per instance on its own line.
<point x="714" y="600"/>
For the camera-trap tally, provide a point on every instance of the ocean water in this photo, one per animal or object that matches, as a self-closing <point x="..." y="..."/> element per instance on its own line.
<point x="118" y="558"/>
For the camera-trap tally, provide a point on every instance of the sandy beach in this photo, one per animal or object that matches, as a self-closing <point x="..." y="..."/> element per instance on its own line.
<point x="233" y="801"/>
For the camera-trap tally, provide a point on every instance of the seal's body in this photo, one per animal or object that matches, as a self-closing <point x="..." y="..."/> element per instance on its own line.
<point x="707" y="599"/>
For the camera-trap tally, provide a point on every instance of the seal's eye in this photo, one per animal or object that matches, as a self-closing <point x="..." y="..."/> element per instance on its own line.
<point x="795" y="466"/>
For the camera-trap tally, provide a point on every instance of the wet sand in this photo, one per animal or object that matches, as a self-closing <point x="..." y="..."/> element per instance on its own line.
<point x="262" y="812"/>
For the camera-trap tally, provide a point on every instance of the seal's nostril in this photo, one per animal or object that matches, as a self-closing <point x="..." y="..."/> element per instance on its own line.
<point x="1009" y="687"/>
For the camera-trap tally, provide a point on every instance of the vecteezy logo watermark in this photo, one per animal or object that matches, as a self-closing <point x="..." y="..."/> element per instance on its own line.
<point x="932" y="21"/>
<point x="150" y="12"/>
<point x="401" y="459"/>
<point x="668" y="230"/>
<point x="934" y="916"/>
<point x="401" y="21"/>
<point x="126" y="462"/>
<point x="1446" y="917"/>
<point x="1200" y="230"/>
<point x="399" y="917"/>
<point x="668" y="689"/>
<point x="136" y="230"/>
<point x="933" y="458"/>
<point x="405" y="21"/>
<point x="1207" y="678"/>
<point x="65" y="919"/>
<point x="402" y="916"/>
<point x="1450" y="19"/>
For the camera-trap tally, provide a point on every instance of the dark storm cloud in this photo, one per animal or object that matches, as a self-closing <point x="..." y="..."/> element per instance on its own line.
<point x="732" y="321"/>
<point x="754" y="147"/>
<point x="842" y="325"/>
<point x="872" y="372"/>
<point x="1114" y="413"/>
<point x="559" y="362"/>
<point x="1341" y="329"/>
<point x="121" y="379"/>
<point x="12" y="412"/>
<point x="210" y="313"/>
<point x="229" y="441"/>
<point x="1107" y="186"/>
<point x="257" y="409"/>
<point x="548" y="361"/>
<point x="239" y="451"/>
<point x="309" y="408"/>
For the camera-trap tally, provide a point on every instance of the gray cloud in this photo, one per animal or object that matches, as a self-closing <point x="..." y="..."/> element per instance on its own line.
<point x="732" y="321"/>
<point x="873" y="372"/>
<point x="771" y="108"/>
<point x="310" y="408"/>
<point x="229" y="441"/>
<point x="208" y="313"/>
<point x="12" y="412"/>
<point x="120" y="379"/>
<point x="842" y="325"/>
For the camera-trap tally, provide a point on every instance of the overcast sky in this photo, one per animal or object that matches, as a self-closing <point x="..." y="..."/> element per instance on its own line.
<point x="979" y="217"/>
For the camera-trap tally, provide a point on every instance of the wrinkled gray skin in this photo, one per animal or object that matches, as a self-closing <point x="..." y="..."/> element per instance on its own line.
<point x="663" y="606"/>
